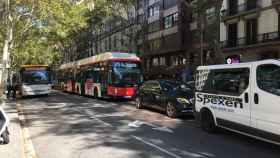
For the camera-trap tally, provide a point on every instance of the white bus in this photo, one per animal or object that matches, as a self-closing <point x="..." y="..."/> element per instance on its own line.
<point x="33" y="80"/>
<point x="243" y="98"/>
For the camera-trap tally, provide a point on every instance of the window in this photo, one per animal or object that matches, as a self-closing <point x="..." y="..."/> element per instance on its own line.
<point x="223" y="81"/>
<point x="162" y="61"/>
<point x="141" y="4"/>
<point x="155" y="85"/>
<point x="153" y="10"/>
<point x="155" y="44"/>
<point x="153" y="27"/>
<point x="170" y="20"/>
<point x="169" y="3"/>
<point x="155" y="62"/>
<point x="232" y="35"/>
<point x="140" y="19"/>
<point x="150" y="85"/>
<point x="268" y="78"/>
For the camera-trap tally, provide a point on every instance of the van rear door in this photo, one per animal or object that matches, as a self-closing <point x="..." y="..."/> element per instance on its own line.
<point x="266" y="100"/>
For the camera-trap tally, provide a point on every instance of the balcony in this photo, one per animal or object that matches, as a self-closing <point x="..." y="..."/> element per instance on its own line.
<point x="242" y="8"/>
<point x="260" y="39"/>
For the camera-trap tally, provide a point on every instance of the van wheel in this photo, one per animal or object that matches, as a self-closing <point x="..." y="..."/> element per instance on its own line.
<point x="207" y="122"/>
<point x="171" y="110"/>
<point x="138" y="102"/>
<point x="5" y="136"/>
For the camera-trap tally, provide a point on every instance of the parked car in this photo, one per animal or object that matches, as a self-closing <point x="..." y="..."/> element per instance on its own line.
<point x="172" y="97"/>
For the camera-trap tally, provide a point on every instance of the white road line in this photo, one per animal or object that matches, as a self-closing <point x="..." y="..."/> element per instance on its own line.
<point x="157" y="147"/>
<point x="91" y="116"/>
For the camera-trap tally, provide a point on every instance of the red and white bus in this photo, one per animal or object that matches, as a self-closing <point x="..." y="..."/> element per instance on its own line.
<point x="66" y="76"/>
<point x="111" y="74"/>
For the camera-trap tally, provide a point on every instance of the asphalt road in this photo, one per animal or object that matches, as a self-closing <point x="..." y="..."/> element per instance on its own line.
<point x="69" y="126"/>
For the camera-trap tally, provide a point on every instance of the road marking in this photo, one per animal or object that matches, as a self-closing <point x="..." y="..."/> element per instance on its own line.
<point x="91" y="116"/>
<point x="29" y="150"/>
<point x="137" y="124"/>
<point x="157" y="147"/>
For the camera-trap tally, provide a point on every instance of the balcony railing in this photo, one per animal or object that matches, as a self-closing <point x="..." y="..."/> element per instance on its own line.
<point x="261" y="38"/>
<point x="245" y="7"/>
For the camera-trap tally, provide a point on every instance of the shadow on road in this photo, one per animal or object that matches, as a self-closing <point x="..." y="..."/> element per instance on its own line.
<point x="98" y="124"/>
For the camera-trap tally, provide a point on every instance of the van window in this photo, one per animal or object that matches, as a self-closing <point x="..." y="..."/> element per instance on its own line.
<point x="225" y="81"/>
<point x="268" y="78"/>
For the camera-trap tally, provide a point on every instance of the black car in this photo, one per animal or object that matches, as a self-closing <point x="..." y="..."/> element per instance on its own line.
<point x="173" y="97"/>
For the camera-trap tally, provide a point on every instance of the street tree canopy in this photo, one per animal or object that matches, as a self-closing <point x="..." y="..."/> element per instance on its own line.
<point x="36" y="31"/>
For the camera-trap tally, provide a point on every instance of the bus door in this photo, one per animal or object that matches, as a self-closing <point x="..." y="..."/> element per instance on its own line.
<point x="266" y="98"/>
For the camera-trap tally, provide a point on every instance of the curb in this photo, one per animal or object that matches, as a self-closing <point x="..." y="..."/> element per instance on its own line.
<point x="29" y="151"/>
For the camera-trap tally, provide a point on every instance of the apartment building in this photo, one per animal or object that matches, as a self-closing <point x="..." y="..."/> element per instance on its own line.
<point x="249" y="30"/>
<point x="165" y="36"/>
<point x="116" y="33"/>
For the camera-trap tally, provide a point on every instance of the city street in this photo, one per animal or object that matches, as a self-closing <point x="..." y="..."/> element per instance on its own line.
<point x="63" y="125"/>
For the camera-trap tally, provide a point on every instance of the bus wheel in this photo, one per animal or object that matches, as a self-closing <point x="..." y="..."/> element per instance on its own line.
<point x="207" y="122"/>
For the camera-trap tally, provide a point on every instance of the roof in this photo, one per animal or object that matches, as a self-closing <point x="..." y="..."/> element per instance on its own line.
<point x="108" y="56"/>
<point x="247" y="64"/>
<point x="101" y="57"/>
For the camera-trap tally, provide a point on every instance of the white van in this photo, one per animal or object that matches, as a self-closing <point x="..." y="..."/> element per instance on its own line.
<point x="243" y="98"/>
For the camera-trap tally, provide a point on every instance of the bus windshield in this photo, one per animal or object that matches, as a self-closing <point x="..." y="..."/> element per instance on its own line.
<point x="126" y="73"/>
<point x="35" y="77"/>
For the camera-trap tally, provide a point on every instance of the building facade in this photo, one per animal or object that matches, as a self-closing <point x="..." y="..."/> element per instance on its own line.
<point x="249" y="30"/>
<point x="164" y="33"/>
<point x="165" y="37"/>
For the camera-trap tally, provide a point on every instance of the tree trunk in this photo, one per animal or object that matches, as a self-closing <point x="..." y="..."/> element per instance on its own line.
<point x="7" y="44"/>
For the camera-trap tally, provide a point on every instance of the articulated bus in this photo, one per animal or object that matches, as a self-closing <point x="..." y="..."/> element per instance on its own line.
<point x="33" y="80"/>
<point x="111" y="74"/>
<point x="65" y="77"/>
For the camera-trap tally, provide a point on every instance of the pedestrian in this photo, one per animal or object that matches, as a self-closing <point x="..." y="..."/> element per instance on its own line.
<point x="9" y="87"/>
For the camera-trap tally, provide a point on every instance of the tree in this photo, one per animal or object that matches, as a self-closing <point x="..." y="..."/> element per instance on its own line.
<point x="35" y="31"/>
<point x="208" y="19"/>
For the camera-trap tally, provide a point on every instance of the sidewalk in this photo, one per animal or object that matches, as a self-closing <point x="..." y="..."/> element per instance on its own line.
<point x="15" y="148"/>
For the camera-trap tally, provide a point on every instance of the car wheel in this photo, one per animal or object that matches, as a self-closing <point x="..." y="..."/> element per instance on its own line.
<point x="138" y="103"/>
<point x="207" y="122"/>
<point x="171" y="110"/>
<point x="5" y="136"/>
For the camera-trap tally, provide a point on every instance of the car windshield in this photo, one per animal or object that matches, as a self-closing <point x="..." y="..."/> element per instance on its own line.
<point x="35" y="77"/>
<point x="176" y="86"/>
<point x="126" y="73"/>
